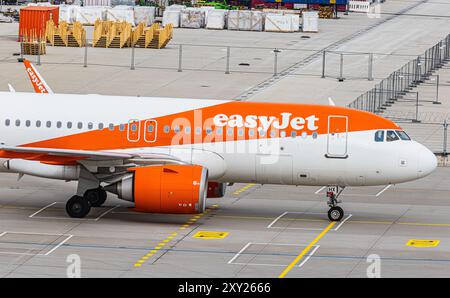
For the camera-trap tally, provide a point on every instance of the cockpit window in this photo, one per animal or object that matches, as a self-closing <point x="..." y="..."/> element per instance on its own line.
<point x="379" y="136"/>
<point x="391" y="136"/>
<point x="403" y="135"/>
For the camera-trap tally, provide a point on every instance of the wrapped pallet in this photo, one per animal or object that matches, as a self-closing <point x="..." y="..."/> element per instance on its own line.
<point x="245" y="20"/>
<point x="67" y="13"/>
<point x="120" y="14"/>
<point x="89" y="14"/>
<point x="282" y="23"/>
<point x="176" y="7"/>
<point x="97" y="2"/>
<point x="144" y="14"/>
<point x="216" y="19"/>
<point x="192" y="18"/>
<point x="171" y="17"/>
<point x="310" y="21"/>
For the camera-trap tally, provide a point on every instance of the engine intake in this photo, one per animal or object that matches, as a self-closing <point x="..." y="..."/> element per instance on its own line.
<point x="164" y="189"/>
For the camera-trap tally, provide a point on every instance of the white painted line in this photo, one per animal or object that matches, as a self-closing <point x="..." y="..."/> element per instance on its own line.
<point x="319" y="190"/>
<point x="273" y="244"/>
<point x="106" y="212"/>
<point x="276" y="219"/>
<point x="239" y="253"/>
<point x="32" y="233"/>
<point x="69" y="218"/>
<point x="42" y="209"/>
<point x="342" y="222"/>
<point x="383" y="190"/>
<point x="59" y="245"/>
<point x="316" y="247"/>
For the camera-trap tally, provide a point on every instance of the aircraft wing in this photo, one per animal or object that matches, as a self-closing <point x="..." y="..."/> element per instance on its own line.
<point x="39" y="84"/>
<point x="63" y="155"/>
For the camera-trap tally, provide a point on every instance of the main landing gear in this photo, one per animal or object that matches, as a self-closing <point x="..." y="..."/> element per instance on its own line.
<point x="80" y="206"/>
<point x="335" y="213"/>
<point x="89" y="194"/>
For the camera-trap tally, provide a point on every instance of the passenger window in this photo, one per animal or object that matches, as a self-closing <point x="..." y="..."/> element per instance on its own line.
<point x="69" y="125"/>
<point x="80" y="125"/>
<point x="150" y="128"/>
<point x="379" y="136"/>
<point x="314" y="135"/>
<point x="198" y="131"/>
<point x="403" y="135"/>
<point x="17" y="122"/>
<point x="240" y="132"/>
<point x="219" y="131"/>
<point x="122" y="127"/>
<point x="230" y="131"/>
<point x="176" y="129"/>
<point x="111" y="126"/>
<point x="27" y="123"/>
<point x="100" y="125"/>
<point x="166" y="128"/>
<point x="48" y="124"/>
<point x="7" y="122"/>
<point x="293" y="134"/>
<point x="251" y="133"/>
<point x="90" y="125"/>
<point x="391" y="136"/>
<point x="58" y="124"/>
<point x="133" y="127"/>
<point x="304" y="135"/>
<point x="187" y="129"/>
<point x="38" y="123"/>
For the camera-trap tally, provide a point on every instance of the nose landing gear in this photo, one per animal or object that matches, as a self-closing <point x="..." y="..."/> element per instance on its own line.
<point x="335" y="213"/>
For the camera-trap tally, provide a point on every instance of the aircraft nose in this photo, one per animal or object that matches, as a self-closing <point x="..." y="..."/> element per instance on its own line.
<point x="427" y="162"/>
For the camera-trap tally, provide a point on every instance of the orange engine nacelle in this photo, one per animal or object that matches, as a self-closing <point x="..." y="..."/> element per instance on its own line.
<point x="164" y="189"/>
<point x="216" y="189"/>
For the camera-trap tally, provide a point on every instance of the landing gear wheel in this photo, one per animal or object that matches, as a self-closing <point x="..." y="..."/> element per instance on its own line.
<point x="335" y="213"/>
<point x="96" y="196"/>
<point x="78" y="207"/>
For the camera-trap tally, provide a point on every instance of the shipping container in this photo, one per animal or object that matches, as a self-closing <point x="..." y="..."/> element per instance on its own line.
<point x="33" y="19"/>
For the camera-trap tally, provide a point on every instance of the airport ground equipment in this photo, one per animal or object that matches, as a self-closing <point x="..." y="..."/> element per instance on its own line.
<point x="65" y="35"/>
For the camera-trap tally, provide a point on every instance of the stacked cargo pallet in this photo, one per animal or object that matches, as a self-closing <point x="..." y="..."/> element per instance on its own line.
<point x="326" y="12"/>
<point x="33" y="44"/>
<point x="152" y="37"/>
<point x="65" y="35"/>
<point x="108" y="34"/>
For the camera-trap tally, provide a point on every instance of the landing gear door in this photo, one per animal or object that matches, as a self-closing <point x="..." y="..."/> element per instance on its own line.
<point x="150" y="129"/>
<point x="337" y="137"/>
<point x="134" y="130"/>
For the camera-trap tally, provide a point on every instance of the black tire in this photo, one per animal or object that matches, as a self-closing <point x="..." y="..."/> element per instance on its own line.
<point x="96" y="196"/>
<point x="335" y="213"/>
<point x="78" y="207"/>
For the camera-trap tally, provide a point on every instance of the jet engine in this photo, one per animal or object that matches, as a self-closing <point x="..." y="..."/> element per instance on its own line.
<point x="164" y="189"/>
<point x="216" y="189"/>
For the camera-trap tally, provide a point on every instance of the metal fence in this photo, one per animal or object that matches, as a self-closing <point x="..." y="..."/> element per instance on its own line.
<point x="404" y="79"/>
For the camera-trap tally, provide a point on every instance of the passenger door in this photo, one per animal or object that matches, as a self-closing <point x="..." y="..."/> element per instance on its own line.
<point x="150" y="131"/>
<point x="337" y="139"/>
<point x="134" y="130"/>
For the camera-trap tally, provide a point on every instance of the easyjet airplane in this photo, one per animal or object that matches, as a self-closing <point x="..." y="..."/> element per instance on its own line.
<point x="168" y="155"/>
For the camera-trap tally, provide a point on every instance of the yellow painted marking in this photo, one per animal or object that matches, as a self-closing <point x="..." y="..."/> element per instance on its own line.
<point x="422" y="243"/>
<point x="169" y="237"/>
<point x="157" y="247"/>
<point x="149" y="255"/>
<point x="424" y="224"/>
<point x="243" y="188"/>
<point x="141" y="261"/>
<point x="165" y="240"/>
<point x="137" y="265"/>
<point x="174" y="234"/>
<point x="303" y="253"/>
<point x="182" y="228"/>
<point x="210" y="235"/>
<point x="152" y="251"/>
<point x="161" y="244"/>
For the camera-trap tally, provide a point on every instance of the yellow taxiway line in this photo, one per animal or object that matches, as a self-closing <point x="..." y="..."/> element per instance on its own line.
<point x="303" y="253"/>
